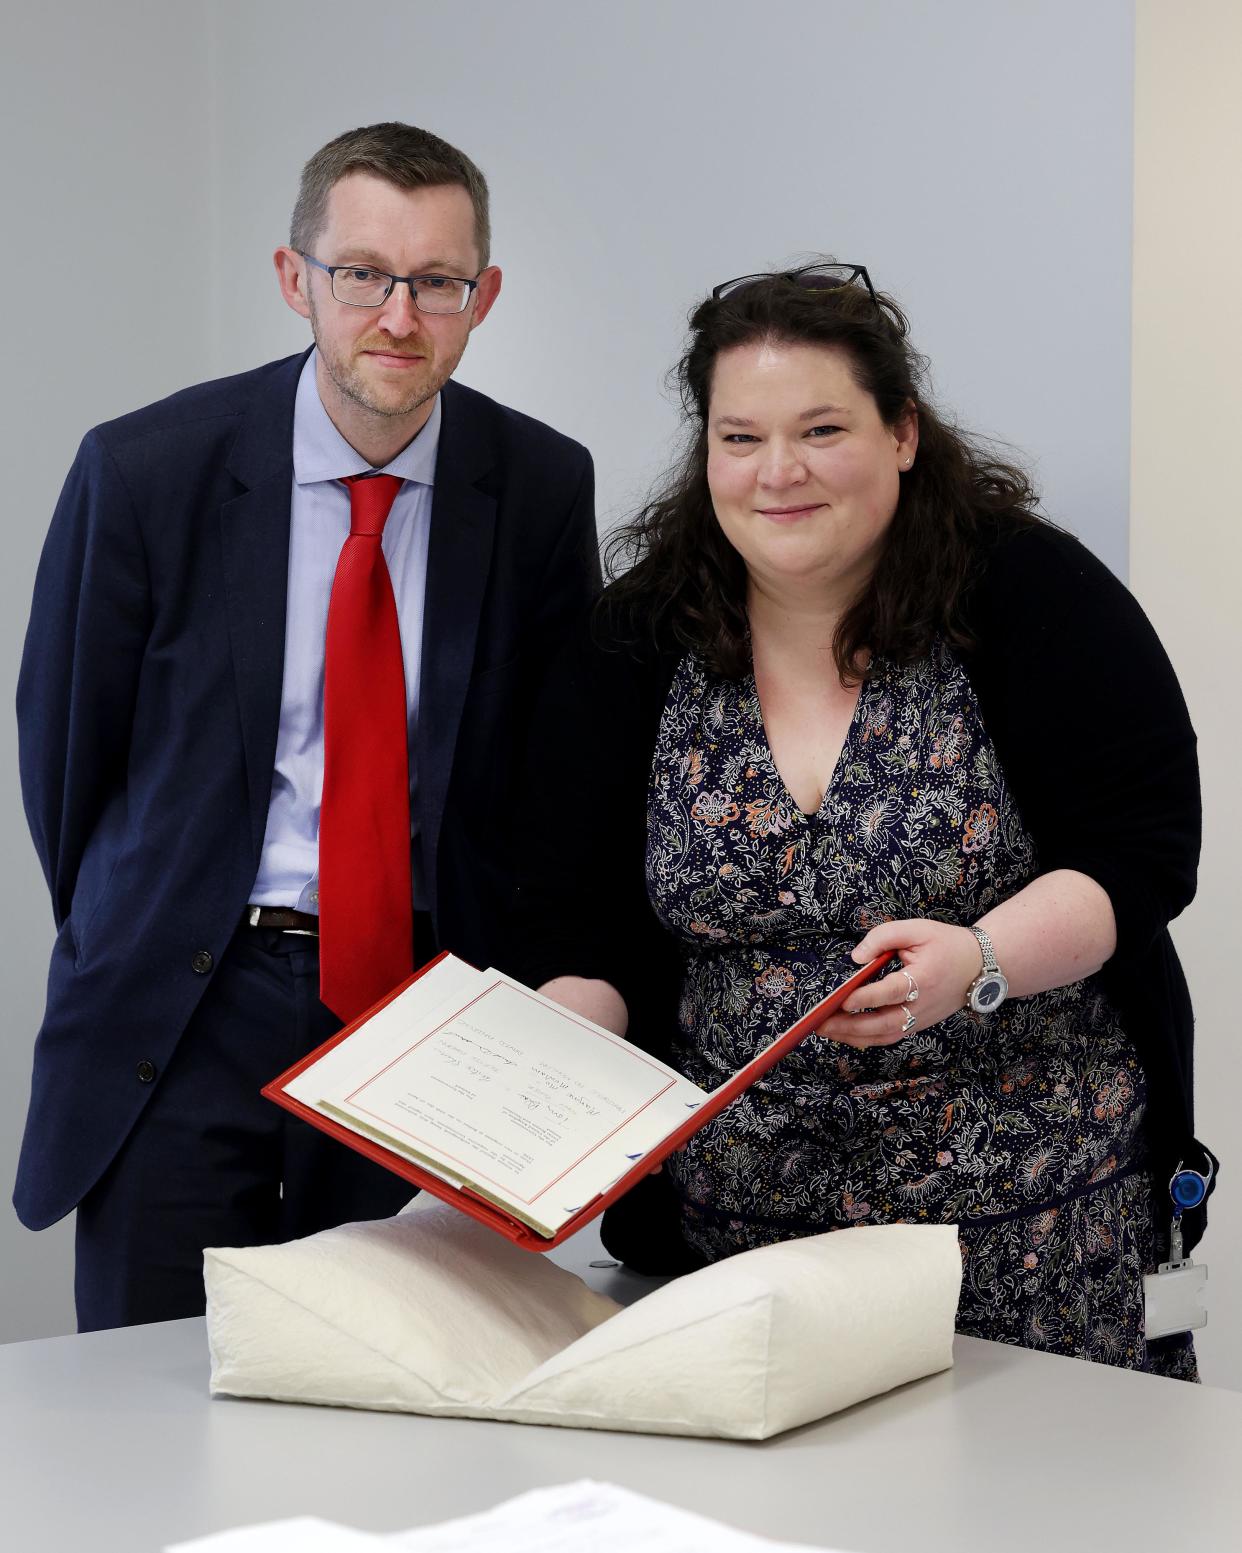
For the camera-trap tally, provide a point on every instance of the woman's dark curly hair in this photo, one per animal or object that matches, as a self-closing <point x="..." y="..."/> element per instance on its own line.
<point x="672" y="567"/>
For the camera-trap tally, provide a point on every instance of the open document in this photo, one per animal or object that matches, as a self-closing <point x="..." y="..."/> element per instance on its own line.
<point x="486" y="1094"/>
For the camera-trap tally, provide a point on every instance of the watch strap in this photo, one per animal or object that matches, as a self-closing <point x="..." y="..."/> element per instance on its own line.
<point x="989" y="953"/>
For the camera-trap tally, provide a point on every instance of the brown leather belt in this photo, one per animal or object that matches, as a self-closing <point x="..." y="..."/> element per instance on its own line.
<point x="282" y="917"/>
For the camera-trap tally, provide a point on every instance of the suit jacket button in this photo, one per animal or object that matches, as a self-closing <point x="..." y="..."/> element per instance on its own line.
<point x="146" y="1071"/>
<point x="201" y="962"/>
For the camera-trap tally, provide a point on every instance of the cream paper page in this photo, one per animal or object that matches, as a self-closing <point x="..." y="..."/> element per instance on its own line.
<point x="448" y="984"/>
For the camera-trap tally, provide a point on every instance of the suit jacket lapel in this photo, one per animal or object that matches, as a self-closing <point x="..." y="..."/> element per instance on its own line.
<point x="255" y="537"/>
<point x="463" y="523"/>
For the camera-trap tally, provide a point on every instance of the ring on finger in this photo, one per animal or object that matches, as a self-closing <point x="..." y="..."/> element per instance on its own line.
<point x="908" y="1023"/>
<point x="912" y="996"/>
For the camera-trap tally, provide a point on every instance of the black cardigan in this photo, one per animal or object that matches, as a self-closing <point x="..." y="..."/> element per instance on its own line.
<point x="1096" y="744"/>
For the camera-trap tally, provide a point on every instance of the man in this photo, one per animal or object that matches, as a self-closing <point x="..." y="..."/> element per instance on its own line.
<point x="248" y="684"/>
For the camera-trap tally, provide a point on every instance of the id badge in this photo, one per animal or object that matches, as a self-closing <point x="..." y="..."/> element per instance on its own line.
<point x="1176" y="1298"/>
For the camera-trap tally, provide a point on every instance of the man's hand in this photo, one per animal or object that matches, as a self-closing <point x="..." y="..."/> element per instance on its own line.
<point x="598" y="1001"/>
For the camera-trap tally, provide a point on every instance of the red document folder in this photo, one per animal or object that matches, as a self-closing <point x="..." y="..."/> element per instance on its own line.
<point x="488" y="1213"/>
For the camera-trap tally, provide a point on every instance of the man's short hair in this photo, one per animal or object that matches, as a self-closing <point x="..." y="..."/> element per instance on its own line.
<point x="403" y="155"/>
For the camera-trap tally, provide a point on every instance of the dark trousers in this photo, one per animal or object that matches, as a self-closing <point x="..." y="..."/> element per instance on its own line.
<point x="211" y="1162"/>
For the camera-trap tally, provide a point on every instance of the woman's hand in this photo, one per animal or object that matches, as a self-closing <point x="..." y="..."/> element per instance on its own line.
<point x="940" y="963"/>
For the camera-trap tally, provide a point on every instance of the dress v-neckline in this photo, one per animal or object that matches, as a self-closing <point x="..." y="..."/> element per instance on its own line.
<point x="809" y="815"/>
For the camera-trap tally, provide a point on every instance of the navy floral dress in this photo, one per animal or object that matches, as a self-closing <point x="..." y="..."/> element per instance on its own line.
<point x="1025" y="1128"/>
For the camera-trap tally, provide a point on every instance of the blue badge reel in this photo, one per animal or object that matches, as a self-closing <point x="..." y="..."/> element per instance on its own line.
<point x="1176" y="1293"/>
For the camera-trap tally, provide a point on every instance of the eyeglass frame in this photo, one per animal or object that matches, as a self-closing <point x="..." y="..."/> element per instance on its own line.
<point x="393" y="282"/>
<point x="859" y="271"/>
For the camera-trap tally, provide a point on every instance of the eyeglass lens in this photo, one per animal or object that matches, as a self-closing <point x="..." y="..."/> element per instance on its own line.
<point x="361" y="287"/>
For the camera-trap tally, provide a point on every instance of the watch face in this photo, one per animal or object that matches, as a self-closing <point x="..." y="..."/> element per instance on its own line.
<point x="988" y="992"/>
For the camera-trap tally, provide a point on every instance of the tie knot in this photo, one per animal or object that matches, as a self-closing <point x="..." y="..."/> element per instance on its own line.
<point x="370" y="501"/>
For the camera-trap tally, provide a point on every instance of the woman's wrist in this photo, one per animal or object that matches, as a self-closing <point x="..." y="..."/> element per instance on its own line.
<point x="990" y="987"/>
<point x="1056" y="930"/>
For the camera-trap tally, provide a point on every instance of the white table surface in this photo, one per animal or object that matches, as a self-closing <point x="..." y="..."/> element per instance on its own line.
<point x="109" y="1443"/>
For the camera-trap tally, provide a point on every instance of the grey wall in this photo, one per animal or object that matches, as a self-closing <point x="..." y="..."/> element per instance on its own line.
<point x="101" y="116"/>
<point x="975" y="155"/>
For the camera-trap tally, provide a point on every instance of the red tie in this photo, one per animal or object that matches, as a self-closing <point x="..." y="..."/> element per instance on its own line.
<point x="366" y="906"/>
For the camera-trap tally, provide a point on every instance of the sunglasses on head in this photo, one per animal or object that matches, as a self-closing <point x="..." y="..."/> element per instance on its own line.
<point x="811" y="277"/>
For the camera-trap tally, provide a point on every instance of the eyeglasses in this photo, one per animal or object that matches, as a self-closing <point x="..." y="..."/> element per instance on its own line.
<point x="811" y="277"/>
<point x="358" y="285"/>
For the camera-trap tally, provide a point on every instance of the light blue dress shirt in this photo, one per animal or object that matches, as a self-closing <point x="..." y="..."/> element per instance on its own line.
<point x="319" y="525"/>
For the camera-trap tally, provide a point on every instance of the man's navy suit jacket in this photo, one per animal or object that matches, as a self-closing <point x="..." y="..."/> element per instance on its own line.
<point x="149" y="701"/>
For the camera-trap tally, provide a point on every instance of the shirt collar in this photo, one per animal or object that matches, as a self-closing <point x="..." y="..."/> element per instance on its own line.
<point x="320" y="452"/>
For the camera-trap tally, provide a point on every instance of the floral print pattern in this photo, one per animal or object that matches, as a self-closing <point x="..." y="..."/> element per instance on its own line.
<point x="1024" y="1128"/>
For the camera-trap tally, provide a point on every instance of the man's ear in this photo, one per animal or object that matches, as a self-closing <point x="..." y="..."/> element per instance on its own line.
<point x="486" y="293"/>
<point x="294" y="275"/>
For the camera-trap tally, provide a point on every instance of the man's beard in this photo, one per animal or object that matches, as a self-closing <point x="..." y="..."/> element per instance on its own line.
<point x="351" y="383"/>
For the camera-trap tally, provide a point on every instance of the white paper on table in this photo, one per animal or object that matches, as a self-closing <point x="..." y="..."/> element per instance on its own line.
<point x="546" y="1520"/>
<point x="572" y="1516"/>
<point x="303" y="1534"/>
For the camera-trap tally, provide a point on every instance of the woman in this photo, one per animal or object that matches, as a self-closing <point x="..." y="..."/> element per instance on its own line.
<point x="876" y="706"/>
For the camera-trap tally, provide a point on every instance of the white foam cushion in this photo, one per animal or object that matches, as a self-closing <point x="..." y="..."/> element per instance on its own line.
<point x="430" y="1312"/>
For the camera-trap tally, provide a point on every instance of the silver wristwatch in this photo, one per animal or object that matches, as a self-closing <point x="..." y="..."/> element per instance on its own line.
<point x="989" y="988"/>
